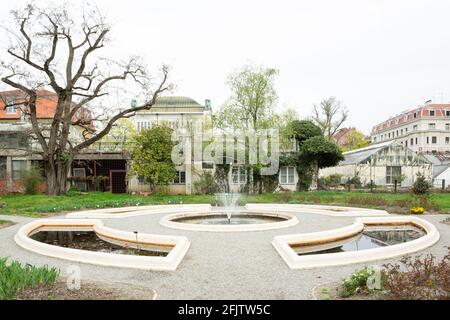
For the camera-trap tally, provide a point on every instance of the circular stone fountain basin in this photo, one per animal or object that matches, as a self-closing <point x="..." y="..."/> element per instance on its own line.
<point x="239" y="218"/>
<point x="239" y="221"/>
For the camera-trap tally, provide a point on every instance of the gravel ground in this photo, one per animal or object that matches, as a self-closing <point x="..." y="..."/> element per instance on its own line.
<point x="237" y="265"/>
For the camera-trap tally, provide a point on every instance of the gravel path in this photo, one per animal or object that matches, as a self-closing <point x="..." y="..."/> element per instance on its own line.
<point x="238" y="265"/>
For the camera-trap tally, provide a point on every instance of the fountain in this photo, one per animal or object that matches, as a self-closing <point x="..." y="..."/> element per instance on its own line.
<point x="229" y="202"/>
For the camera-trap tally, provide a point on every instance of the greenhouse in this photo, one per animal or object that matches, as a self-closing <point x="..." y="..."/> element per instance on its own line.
<point x="382" y="163"/>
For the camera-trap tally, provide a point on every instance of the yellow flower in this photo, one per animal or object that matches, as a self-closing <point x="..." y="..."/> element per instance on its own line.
<point x="417" y="210"/>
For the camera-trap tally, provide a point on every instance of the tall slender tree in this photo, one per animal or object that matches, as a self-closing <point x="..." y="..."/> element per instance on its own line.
<point x="250" y="106"/>
<point x="329" y="115"/>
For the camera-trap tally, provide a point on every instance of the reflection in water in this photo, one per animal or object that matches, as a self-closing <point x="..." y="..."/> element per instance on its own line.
<point x="368" y="239"/>
<point x="236" y="219"/>
<point x="88" y="240"/>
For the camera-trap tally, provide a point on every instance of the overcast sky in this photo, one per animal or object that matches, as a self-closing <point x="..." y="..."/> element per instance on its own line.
<point x="377" y="57"/>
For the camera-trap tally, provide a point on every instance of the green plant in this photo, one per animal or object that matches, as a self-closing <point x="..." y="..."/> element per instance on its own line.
<point x="333" y="180"/>
<point x="421" y="185"/>
<point x="371" y="185"/>
<point x="355" y="180"/>
<point x="31" y="180"/>
<point x="357" y="282"/>
<point x="15" y="277"/>
<point x="206" y="184"/>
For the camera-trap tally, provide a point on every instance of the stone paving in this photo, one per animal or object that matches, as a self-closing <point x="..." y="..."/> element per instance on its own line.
<point x="236" y="265"/>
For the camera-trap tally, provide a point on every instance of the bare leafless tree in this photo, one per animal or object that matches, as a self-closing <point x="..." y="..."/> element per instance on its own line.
<point x="329" y="115"/>
<point x="53" y="48"/>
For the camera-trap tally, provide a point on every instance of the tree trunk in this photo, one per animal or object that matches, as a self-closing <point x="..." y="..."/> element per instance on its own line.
<point x="56" y="173"/>
<point x="315" y="176"/>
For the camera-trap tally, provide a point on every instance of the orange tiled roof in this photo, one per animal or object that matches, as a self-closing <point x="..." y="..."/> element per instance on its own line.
<point x="45" y="105"/>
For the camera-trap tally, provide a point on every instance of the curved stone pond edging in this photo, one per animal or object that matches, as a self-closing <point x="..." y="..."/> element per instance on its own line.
<point x="283" y="243"/>
<point x="290" y="220"/>
<point x="335" y="211"/>
<point x="178" y="244"/>
<point x="127" y="212"/>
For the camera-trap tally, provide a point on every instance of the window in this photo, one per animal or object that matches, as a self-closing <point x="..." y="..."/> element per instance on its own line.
<point x="389" y="135"/>
<point x="39" y="165"/>
<point x="18" y="166"/>
<point x="406" y="130"/>
<point x="393" y="173"/>
<point x="434" y="140"/>
<point x="2" y="168"/>
<point x="11" y="110"/>
<point x="14" y="139"/>
<point x="415" y="115"/>
<point x="416" y="140"/>
<point x="287" y="175"/>
<point x="397" y="133"/>
<point x="239" y="175"/>
<point x="207" y="165"/>
<point x="401" y="132"/>
<point x="406" y="142"/>
<point x="447" y="141"/>
<point x="431" y="113"/>
<point x="412" y="141"/>
<point x="180" y="178"/>
<point x="143" y="181"/>
<point x="428" y="140"/>
<point x="415" y="127"/>
<point x="447" y="126"/>
<point x="432" y="126"/>
<point x="447" y="113"/>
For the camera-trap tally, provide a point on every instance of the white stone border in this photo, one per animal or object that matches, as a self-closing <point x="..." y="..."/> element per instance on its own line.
<point x="335" y="211"/>
<point x="126" y="212"/>
<point x="170" y="262"/>
<point x="294" y="261"/>
<point x="167" y="222"/>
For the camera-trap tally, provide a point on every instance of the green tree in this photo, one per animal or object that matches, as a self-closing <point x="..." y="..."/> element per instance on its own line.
<point x="319" y="153"/>
<point x="250" y="106"/>
<point x="302" y="130"/>
<point x="120" y="137"/>
<point x="356" y="140"/>
<point x="421" y="186"/>
<point x="151" y="156"/>
<point x="252" y="100"/>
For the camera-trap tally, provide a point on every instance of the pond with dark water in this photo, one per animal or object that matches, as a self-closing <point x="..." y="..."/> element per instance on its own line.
<point x="88" y="240"/>
<point x="368" y="239"/>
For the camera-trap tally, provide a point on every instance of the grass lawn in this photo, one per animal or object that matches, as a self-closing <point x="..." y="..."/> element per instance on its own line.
<point x="5" y="223"/>
<point x="41" y="205"/>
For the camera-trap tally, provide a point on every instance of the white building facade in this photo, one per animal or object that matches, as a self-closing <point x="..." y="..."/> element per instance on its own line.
<point x="425" y="129"/>
<point x="176" y="112"/>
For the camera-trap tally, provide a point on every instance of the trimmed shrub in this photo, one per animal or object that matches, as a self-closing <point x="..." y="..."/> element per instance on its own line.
<point x="31" y="180"/>
<point x="421" y="185"/>
<point x="333" y="180"/>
